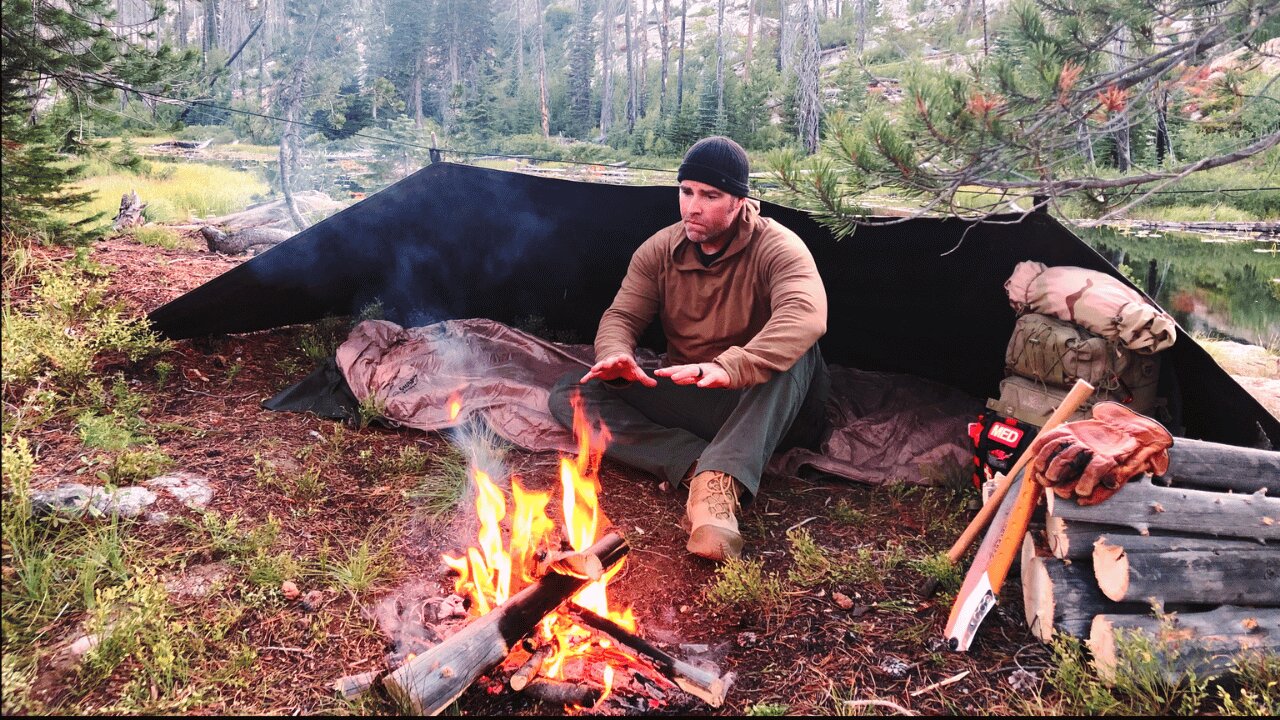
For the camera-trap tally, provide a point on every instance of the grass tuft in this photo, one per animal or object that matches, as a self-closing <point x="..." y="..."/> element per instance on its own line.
<point x="443" y="486"/>
<point x="744" y="586"/>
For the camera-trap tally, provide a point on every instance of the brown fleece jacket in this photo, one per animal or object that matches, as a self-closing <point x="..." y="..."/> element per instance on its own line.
<point x="754" y="312"/>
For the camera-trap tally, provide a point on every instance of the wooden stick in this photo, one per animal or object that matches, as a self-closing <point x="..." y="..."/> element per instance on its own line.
<point x="529" y="670"/>
<point x="351" y="687"/>
<point x="581" y="564"/>
<point x="707" y="686"/>
<point x="941" y="683"/>
<point x="432" y="680"/>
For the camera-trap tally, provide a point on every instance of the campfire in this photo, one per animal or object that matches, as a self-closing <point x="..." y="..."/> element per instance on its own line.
<point x="536" y="585"/>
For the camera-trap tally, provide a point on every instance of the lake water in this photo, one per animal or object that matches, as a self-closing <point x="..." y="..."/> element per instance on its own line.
<point x="1213" y="285"/>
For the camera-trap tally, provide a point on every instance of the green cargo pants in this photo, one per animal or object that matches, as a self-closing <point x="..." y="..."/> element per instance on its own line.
<point x="665" y="429"/>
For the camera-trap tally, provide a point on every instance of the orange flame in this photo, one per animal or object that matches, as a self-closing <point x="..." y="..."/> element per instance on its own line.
<point x="455" y="406"/>
<point x="493" y="569"/>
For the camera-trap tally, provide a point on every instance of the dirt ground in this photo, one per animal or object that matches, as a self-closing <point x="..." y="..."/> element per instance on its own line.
<point x="807" y="651"/>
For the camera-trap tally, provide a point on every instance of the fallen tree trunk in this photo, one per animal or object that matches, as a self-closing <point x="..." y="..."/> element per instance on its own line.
<point x="1206" y="643"/>
<point x="1222" y="467"/>
<point x="1247" y="226"/>
<point x="1062" y="597"/>
<point x="432" y="680"/>
<point x="1145" y="507"/>
<point x="1240" y="574"/>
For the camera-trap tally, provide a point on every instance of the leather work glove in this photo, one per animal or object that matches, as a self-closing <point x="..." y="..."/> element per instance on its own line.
<point x="1092" y="459"/>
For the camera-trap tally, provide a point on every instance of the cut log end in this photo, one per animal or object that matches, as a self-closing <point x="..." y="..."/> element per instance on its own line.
<point x="1037" y="593"/>
<point x="1055" y="533"/>
<point x="1111" y="567"/>
<point x="1102" y="645"/>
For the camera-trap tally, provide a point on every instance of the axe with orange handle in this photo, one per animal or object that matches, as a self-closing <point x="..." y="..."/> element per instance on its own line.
<point x="1080" y="392"/>
<point x="1003" y="541"/>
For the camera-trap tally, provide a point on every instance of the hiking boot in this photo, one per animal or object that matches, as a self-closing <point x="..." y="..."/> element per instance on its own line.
<point x="711" y="516"/>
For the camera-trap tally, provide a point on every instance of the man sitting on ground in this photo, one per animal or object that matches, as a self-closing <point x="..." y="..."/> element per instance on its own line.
<point x="742" y="307"/>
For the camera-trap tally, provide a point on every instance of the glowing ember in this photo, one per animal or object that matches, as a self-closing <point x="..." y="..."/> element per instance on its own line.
<point x="494" y="569"/>
<point x="455" y="406"/>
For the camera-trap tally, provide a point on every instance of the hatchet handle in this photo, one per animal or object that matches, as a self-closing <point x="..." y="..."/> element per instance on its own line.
<point x="1074" y="399"/>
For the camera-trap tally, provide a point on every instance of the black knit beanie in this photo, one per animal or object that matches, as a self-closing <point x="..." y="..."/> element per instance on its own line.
<point x="717" y="161"/>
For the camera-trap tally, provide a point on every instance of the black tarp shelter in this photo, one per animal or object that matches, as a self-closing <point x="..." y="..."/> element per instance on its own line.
<point x="454" y="241"/>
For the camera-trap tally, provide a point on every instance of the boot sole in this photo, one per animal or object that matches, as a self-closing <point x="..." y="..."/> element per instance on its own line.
<point x="715" y="543"/>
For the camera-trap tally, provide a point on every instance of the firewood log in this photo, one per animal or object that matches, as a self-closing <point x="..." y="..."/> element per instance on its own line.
<point x="1222" y="467"/>
<point x="563" y="693"/>
<point x="1072" y="539"/>
<point x="1060" y="596"/>
<point x="1144" y="507"/>
<point x="523" y="675"/>
<point x="1137" y="569"/>
<point x="1207" y="643"/>
<point x="432" y="680"/>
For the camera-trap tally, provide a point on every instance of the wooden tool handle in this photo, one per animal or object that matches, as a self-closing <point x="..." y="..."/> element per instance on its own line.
<point x="1074" y="399"/>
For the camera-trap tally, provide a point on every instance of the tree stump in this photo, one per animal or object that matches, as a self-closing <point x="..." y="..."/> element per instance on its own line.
<point x="130" y="215"/>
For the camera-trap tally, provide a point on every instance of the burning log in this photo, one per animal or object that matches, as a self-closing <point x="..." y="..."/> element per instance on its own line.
<point x="1207" y="643"/>
<point x="1144" y="507"/>
<point x="569" y="562"/>
<point x="529" y="670"/>
<point x="429" y="682"/>
<point x="707" y="686"/>
<point x="1223" y="467"/>
<point x="1187" y="570"/>
<point x="563" y="693"/>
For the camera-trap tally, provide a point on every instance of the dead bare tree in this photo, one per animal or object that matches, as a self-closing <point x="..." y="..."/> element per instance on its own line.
<point x="606" y="76"/>
<point x="664" y="41"/>
<point x="542" y="74"/>
<point x="808" y="100"/>
<point x="633" y="86"/>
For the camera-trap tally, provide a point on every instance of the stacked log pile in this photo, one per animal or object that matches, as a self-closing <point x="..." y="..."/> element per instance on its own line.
<point x="1200" y="544"/>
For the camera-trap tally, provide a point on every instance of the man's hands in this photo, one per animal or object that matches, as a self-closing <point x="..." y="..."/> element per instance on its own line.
<point x="625" y="367"/>
<point x="705" y="375"/>
<point x="619" y="367"/>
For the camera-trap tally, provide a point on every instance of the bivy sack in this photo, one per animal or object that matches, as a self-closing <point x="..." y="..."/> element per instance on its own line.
<point x="1093" y="300"/>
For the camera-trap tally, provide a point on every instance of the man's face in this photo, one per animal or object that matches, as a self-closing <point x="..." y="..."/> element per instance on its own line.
<point x="707" y="210"/>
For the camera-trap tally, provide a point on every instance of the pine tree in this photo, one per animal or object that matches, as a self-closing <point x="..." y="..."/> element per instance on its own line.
<point x="65" y="50"/>
<point x="1054" y="94"/>
<point x="582" y="61"/>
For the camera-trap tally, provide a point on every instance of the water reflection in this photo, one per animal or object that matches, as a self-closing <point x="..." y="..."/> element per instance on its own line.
<point x="1212" y="285"/>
